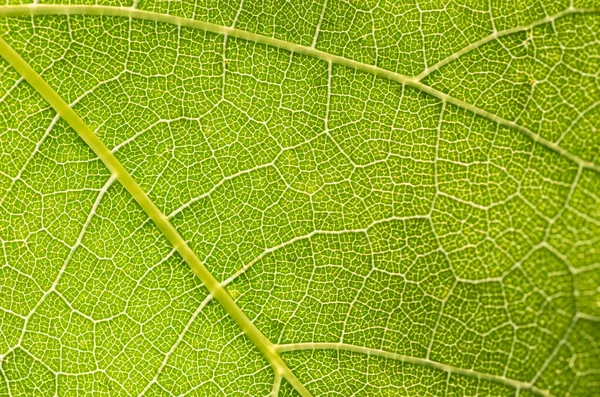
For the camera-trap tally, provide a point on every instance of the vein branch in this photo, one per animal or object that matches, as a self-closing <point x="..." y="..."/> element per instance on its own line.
<point x="415" y="82"/>
<point x="499" y="379"/>
<point x="119" y="172"/>
<point x="498" y="34"/>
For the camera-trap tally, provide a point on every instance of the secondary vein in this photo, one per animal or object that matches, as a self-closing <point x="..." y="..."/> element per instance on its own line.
<point x="519" y="385"/>
<point x="264" y="345"/>
<point x="99" y="10"/>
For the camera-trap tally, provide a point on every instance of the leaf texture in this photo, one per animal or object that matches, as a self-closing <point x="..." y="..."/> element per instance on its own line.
<point x="401" y="199"/>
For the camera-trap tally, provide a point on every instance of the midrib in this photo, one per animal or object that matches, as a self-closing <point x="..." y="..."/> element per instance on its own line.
<point x="264" y="345"/>
<point x="415" y="82"/>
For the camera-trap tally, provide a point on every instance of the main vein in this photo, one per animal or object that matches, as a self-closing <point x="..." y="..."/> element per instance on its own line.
<point x="119" y="172"/>
<point x="415" y="82"/>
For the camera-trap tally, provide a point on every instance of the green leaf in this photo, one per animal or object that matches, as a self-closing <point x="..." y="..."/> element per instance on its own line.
<point x="374" y="198"/>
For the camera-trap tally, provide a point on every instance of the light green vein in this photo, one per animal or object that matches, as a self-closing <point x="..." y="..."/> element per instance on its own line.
<point x="162" y="222"/>
<point x="60" y="9"/>
<point x="519" y="385"/>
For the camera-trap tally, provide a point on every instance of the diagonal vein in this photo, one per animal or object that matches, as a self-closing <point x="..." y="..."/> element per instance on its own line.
<point x="264" y="345"/>
<point x="415" y="82"/>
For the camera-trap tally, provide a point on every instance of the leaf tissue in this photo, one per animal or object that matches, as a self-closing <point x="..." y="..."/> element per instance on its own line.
<point x="300" y="198"/>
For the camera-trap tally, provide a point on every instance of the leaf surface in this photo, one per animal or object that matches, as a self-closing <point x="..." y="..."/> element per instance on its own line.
<point x="399" y="199"/>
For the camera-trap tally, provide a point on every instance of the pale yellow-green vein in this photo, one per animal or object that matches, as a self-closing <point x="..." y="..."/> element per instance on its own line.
<point x="162" y="222"/>
<point x="61" y="9"/>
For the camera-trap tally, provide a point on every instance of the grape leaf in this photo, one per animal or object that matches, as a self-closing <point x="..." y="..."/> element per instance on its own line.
<point x="374" y="198"/>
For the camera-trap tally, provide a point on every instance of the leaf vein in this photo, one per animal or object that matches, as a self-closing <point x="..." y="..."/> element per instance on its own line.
<point x="519" y="385"/>
<point x="162" y="222"/>
<point x="47" y="9"/>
